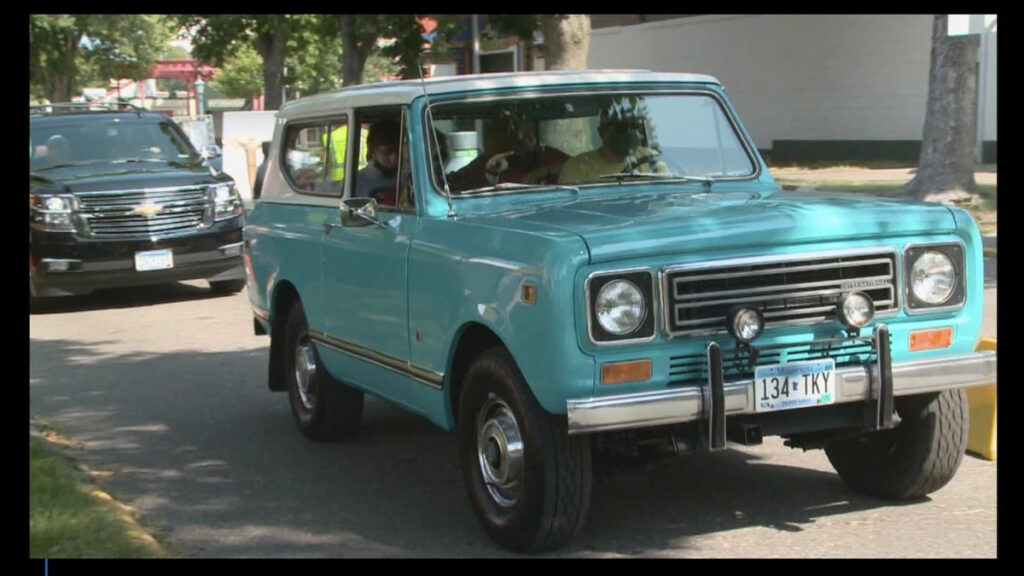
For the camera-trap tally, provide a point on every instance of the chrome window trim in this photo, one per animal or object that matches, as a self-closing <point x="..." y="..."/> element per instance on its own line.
<point x="639" y="87"/>
<point x="906" y="281"/>
<point x="359" y="352"/>
<point x="766" y="259"/>
<point x="649" y="312"/>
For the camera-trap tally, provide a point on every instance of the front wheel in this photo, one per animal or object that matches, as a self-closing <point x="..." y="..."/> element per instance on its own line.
<point x="917" y="457"/>
<point x="528" y="481"/>
<point x="322" y="407"/>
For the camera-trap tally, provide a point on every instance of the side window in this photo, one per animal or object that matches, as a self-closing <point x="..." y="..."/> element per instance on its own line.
<point x="314" y="160"/>
<point x="335" y="140"/>
<point x="382" y="160"/>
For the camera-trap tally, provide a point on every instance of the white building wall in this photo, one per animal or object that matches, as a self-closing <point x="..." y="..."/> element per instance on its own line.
<point x="799" y="77"/>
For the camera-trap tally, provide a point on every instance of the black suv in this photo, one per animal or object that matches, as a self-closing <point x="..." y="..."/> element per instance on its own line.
<point x="120" y="197"/>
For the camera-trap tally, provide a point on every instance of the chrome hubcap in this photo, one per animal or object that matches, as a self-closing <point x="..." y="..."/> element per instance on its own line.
<point x="305" y="371"/>
<point x="500" y="452"/>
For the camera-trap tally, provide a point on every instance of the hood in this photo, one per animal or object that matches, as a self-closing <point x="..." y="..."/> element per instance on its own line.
<point x="658" y="223"/>
<point x="102" y="176"/>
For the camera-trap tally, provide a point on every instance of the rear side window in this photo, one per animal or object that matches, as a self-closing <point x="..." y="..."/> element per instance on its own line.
<point x="314" y="160"/>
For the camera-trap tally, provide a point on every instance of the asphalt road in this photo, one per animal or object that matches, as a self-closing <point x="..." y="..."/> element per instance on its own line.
<point x="163" y="392"/>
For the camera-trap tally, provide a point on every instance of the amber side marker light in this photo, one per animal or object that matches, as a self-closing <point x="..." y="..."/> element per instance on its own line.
<point x="621" y="372"/>
<point x="931" y="339"/>
<point x="529" y="293"/>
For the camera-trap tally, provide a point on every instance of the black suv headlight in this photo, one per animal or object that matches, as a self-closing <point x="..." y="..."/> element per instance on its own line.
<point x="620" y="305"/>
<point x="933" y="277"/>
<point x="226" y="201"/>
<point x="51" y="212"/>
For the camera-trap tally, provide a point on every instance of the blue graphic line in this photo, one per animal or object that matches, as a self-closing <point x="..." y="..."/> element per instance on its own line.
<point x="46" y="566"/>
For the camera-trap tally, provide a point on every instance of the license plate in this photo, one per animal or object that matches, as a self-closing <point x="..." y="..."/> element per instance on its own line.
<point x="794" y="385"/>
<point x="154" y="260"/>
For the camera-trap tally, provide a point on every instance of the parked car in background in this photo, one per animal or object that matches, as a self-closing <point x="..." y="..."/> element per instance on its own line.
<point x="121" y="198"/>
<point x="612" y="276"/>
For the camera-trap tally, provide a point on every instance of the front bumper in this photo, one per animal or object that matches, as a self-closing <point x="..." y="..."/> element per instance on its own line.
<point x="875" y="383"/>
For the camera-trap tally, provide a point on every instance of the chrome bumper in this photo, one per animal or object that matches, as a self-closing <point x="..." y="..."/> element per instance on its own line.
<point x="854" y="384"/>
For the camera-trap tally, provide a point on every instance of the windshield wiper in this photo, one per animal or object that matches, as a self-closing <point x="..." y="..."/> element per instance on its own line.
<point x="620" y="176"/>
<point x="501" y="186"/>
<point x="150" y="160"/>
<point x="64" y="165"/>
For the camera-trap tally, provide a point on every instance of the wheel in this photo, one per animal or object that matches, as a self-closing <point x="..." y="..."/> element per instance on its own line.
<point x="917" y="457"/>
<point x="323" y="408"/>
<point x="227" y="286"/>
<point x="528" y="481"/>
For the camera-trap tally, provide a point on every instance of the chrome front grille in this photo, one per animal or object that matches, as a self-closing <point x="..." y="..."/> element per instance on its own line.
<point x="739" y="364"/>
<point x="801" y="289"/>
<point x="141" y="213"/>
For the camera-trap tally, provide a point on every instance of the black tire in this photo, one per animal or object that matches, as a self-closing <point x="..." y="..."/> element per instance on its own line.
<point x="323" y="408"/>
<point x="227" y="286"/>
<point x="917" y="457"/>
<point x="538" y="490"/>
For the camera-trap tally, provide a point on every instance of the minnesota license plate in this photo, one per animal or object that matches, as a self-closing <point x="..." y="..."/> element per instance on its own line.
<point x="154" y="260"/>
<point x="794" y="385"/>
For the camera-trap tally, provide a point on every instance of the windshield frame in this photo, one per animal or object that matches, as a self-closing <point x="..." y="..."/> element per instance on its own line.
<point x="637" y="89"/>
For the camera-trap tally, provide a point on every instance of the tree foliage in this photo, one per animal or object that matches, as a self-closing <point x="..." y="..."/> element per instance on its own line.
<point x="241" y="76"/>
<point x="67" y="51"/>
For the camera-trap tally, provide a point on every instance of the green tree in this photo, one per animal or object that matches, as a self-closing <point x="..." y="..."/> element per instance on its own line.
<point x="216" y="38"/>
<point x="241" y="76"/>
<point x="68" y="50"/>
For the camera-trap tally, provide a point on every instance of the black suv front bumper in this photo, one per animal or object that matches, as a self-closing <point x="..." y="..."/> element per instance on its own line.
<point x="62" y="263"/>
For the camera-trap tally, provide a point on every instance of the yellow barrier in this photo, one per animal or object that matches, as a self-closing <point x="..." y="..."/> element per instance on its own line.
<point x="981" y="436"/>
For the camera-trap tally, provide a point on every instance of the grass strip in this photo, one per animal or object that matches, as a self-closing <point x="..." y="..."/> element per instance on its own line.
<point x="68" y="518"/>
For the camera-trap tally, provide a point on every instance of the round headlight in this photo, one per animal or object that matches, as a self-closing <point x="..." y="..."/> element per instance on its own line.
<point x="855" y="309"/>
<point x="620" y="307"/>
<point x="745" y="324"/>
<point x="932" y="277"/>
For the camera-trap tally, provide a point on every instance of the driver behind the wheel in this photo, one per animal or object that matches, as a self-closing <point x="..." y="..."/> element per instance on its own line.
<point x="622" y="139"/>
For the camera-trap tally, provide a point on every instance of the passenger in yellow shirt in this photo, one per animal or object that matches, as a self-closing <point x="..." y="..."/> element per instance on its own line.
<point x="620" y="141"/>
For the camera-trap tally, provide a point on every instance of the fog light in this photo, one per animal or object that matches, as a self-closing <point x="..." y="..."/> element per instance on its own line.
<point x="745" y="324"/>
<point x="855" y="309"/>
<point x="631" y="371"/>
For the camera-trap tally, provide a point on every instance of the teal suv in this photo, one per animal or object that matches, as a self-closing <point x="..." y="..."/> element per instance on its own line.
<point x="578" y="270"/>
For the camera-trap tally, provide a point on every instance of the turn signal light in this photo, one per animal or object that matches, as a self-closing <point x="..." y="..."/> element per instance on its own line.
<point x="621" y="372"/>
<point x="931" y="339"/>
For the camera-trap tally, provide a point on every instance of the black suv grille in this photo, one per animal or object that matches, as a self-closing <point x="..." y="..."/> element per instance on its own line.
<point x="788" y="291"/>
<point x="131" y="213"/>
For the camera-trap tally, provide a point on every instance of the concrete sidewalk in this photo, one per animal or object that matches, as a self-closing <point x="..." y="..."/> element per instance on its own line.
<point x="983" y="174"/>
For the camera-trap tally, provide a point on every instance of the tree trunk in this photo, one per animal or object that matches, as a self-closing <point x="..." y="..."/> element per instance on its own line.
<point x="352" y="62"/>
<point x="61" y="84"/>
<point x="273" y="47"/>
<point x="566" y="45"/>
<point x="945" y="170"/>
<point x="566" y="41"/>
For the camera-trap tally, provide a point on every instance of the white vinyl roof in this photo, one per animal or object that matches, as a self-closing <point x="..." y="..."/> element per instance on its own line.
<point x="404" y="91"/>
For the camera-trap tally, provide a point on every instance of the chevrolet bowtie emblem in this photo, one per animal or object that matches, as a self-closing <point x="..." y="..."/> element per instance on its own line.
<point x="147" y="209"/>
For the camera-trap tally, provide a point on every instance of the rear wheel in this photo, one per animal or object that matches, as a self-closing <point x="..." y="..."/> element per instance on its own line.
<point x="528" y="481"/>
<point x="322" y="407"/>
<point x="917" y="457"/>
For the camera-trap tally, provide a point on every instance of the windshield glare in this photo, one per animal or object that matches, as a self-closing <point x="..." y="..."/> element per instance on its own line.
<point x="586" y="139"/>
<point x="107" y="140"/>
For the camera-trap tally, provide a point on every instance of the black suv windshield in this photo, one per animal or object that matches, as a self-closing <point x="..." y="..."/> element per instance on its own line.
<point x="84" y="139"/>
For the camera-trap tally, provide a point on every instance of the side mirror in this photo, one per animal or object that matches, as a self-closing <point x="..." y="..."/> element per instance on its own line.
<point x="360" y="212"/>
<point x="211" y="151"/>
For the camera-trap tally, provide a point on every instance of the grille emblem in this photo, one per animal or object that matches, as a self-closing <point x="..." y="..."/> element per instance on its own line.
<point x="147" y="210"/>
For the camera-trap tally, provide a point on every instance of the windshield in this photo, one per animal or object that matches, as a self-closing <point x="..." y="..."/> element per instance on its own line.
<point x="83" y="141"/>
<point x="575" y="140"/>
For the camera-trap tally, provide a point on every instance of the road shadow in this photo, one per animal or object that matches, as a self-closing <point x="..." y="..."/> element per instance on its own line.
<point x="129" y="297"/>
<point x="214" y="464"/>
